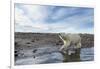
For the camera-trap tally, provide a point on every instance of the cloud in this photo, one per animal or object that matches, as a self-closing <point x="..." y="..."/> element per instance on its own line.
<point x="52" y="19"/>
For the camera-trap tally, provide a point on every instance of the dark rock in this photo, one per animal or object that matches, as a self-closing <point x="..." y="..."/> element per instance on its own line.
<point x="28" y="43"/>
<point x="34" y="51"/>
<point x="33" y="41"/>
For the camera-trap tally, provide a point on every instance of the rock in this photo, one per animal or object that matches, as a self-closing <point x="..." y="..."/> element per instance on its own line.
<point x="34" y="51"/>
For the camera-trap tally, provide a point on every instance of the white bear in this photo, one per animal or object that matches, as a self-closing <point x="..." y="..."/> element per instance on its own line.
<point x="71" y="42"/>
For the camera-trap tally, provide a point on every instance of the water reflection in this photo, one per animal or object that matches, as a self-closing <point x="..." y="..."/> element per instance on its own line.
<point x="84" y="54"/>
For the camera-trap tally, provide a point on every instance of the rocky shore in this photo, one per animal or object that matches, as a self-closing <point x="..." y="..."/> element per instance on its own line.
<point x="87" y="40"/>
<point x="40" y="48"/>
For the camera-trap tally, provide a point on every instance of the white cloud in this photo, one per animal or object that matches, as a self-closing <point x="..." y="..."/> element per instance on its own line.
<point x="23" y="21"/>
<point x="62" y="12"/>
<point x="30" y="18"/>
<point x="20" y="18"/>
<point x="35" y="12"/>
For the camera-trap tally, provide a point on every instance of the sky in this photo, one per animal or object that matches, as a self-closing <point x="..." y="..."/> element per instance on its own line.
<point x="53" y="19"/>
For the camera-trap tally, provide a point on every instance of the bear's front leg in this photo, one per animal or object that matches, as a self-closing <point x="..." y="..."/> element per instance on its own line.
<point x="62" y="48"/>
<point x="65" y="46"/>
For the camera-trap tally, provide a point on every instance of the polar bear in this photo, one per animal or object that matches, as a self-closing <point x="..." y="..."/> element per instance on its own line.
<point x="71" y="42"/>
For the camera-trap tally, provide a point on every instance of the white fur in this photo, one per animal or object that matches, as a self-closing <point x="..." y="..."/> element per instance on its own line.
<point x="67" y="39"/>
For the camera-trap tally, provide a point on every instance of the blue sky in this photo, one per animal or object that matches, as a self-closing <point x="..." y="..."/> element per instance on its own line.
<point x="53" y="19"/>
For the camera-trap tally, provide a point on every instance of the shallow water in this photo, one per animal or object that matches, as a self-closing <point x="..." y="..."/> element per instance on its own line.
<point x="51" y="55"/>
<point x="87" y="54"/>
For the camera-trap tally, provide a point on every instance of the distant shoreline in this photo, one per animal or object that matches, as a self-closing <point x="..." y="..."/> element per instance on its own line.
<point x="87" y="40"/>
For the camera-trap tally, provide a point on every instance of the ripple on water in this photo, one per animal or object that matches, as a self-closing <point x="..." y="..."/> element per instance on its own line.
<point x="43" y="55"/>
<point x="87" y="54"/>
<point x="52" y="56"/>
